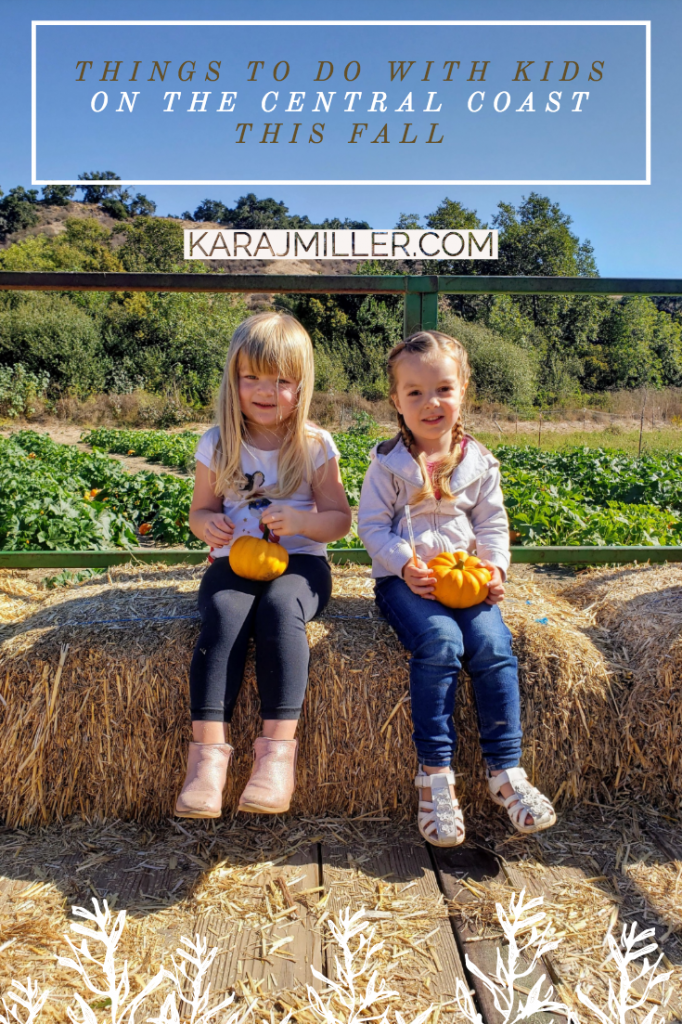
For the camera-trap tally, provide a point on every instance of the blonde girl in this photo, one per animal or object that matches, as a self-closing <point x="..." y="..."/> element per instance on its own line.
<point x="263" y="466"/>
<point x="452" y="485"/>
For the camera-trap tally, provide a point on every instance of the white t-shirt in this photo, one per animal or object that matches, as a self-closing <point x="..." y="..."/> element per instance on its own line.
<point x="245" y="508"/>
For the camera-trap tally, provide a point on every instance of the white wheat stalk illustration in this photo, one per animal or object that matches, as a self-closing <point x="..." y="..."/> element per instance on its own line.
<point x="105" y="981"/>
<point x="348" y="1000"/>
<point x="358" y="995"/>
<point x="522" y="917"/>
<point x="25" y="1003"/>
<point x="624" y="1002"/>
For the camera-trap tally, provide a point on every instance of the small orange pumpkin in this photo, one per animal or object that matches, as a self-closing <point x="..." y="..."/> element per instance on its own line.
<point x="461" y="580"/>
<point x="257" y="558"/>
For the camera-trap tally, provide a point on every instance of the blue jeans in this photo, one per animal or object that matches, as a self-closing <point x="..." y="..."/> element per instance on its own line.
<point x="440" y="640"/>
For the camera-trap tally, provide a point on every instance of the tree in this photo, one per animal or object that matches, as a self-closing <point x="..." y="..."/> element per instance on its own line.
<point x="641" y="345"/>
<point x="342" y="225"/>
<point x="408" y="222"/>
<point x="154" y="244"/>
<point x="353" y="334"/>
<point x="141" y="206"/>
<point x="536" y="240"/>
<point x="380" y="327"/>
<point x="115" y="207"/>
<point x="95" y="193"/>
<point x="17" y="210"/>
<point x="209" y="209"/>
<point x="84" y="245"/>
<point x="113" y="199"/>
<point x="451" y="215"/>
<point x="87" y="234"/>
<point x="58" y="195"/>
<point x="252" y="212"/>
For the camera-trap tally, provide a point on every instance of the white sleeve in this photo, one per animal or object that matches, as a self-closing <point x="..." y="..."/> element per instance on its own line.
<point x="490" y="523"/>
<point x="206" y="447"/>
<point x="375" y="518"/>
<point x="324" y="448"/>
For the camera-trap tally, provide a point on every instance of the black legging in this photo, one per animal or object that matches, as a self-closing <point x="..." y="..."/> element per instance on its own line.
<point x="275" y="613"/>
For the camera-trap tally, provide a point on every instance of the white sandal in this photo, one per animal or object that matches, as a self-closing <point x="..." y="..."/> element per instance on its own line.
<point x="525" y="799"/>
<point x="440" y="819"/>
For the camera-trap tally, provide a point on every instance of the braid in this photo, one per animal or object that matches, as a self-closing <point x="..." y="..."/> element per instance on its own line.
<point x="444" y="470"/>
<point x="457" y="434"/>
<point x="405" y="432"/>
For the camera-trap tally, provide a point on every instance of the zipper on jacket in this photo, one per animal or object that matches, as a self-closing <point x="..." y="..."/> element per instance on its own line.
<point x="436" y="512"/>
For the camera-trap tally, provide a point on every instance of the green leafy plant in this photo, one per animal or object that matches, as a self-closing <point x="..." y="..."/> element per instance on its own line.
<point x="20" y="389"/>
<point x="574" y="496"/>
<point x="68" y="577"/>
<point x="173" y="450"/>
<point x="53" y="496"/>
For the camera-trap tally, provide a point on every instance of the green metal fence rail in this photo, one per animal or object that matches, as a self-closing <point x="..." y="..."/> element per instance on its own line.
<point x="175" y="556"/>
<point x="420" y="292"/>
<point x="420" y="303"/>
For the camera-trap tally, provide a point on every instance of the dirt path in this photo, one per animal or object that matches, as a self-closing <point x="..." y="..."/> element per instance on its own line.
<point x="134" y="464"/>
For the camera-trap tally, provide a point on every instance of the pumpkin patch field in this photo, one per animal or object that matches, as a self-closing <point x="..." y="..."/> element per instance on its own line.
<point x="598" y="496"/>
<point x="173" y="450"/>
<point x="55" y="496"/>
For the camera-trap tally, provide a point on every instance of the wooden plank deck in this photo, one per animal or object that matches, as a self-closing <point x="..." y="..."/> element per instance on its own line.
<point x="458" y="869"/>
<point x="478" y="865"/>
<point x="431" y="908"/>
<point x="428" y="968"/>
<point x="274" y="959"/>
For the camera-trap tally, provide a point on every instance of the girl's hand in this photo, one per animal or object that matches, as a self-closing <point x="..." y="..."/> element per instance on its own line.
<point x="218" y="530"/>
<point x="496" y="585"/>
<point x="420" y="579"/>
<point x="283" y="520"/>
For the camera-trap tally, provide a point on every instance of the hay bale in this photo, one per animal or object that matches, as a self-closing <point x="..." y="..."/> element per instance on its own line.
<point x="640" y="608"/>
<point x="570" y="748"/>
<point x="94" y="712"/>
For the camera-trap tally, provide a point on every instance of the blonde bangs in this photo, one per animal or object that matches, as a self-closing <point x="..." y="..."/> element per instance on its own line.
<point x="273" y="346"/>
<point x="270" y="343"/>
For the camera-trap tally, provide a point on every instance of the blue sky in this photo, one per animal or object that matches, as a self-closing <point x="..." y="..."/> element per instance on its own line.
<point x="634" y="228"/>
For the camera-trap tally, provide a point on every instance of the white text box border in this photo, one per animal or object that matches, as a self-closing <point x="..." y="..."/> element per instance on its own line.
<point x="344" y="181"/>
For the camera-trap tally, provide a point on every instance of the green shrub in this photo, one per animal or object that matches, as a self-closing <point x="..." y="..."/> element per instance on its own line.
<point x="18" y="210"/>
<point x="352" y="337"/>
<point x="173" y="342"/>
<point x="50" y="334"/>
<point x="330" y="373"/>
<point x="500" y="370"/>
<point x="154" y="244"/>
<point x="19" y="389"/>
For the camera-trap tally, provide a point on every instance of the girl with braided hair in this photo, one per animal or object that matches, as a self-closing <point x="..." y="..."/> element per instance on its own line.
<point x="452" y="486"/>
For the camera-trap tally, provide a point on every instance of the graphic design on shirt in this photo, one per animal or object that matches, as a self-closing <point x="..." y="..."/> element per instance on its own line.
<point x="254" y="483"/>
<point x="256" y="503"/>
